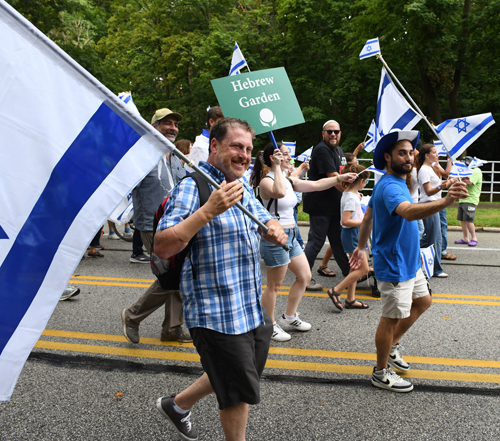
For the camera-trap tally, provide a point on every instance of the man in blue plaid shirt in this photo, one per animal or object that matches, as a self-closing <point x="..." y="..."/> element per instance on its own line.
<point x="221" y="282"/>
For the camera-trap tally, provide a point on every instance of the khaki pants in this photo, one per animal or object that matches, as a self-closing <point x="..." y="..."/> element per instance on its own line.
<point x="154" y="297"/>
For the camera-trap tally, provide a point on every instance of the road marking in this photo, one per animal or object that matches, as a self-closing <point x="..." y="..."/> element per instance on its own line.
<point x="278" y="364"/>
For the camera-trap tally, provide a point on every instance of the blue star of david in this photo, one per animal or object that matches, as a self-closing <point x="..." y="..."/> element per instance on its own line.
<point x="368" y="48"/>
<point x="462" y="128"/>
<point x="430" y="261"/>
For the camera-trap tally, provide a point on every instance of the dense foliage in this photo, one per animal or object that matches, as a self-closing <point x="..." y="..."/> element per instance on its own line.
<point x="445" y="53"/>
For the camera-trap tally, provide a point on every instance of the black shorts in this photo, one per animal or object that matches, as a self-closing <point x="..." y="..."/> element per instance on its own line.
<point x="234" y="363"/>
<point x="466" y="212"/>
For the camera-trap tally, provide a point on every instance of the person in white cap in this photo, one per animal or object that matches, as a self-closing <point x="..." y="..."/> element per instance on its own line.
<point x="396" y="253"/>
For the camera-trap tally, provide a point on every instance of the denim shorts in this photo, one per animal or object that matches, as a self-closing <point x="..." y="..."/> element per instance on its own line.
<point x="274" y="255"/>
<point x="349" y="238"/>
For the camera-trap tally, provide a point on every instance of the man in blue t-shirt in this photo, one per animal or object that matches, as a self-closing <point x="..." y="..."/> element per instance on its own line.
<point x="396" y="253"/>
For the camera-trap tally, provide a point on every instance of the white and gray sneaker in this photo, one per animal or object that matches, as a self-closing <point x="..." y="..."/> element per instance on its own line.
<point x="388" y="379"/>
<point x="396" y="359"/>
<point x="296" y="323"/>
<point x="279" y="334"/>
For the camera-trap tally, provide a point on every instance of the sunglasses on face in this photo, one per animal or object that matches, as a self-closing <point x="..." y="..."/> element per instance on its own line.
<point x="332" y="131"/>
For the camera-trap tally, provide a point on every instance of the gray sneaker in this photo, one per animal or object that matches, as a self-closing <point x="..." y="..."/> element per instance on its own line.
<point x="181" y="423"/>
<point x="314" y="286"/>
<point x="389" y="380"/>
<point x="139" y="258"/>
<point x="69" y="292"/>
<point x="396" y="359"/>
<point x="177" y="334"/>
<point x="130" y="333"/>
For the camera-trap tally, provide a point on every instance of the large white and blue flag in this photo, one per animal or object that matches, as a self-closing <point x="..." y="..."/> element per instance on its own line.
<point x="460" y="133"/>
<point x="372" y="137"/>
<point x="370" y="49"/>
<point x="393" y="111"/>
<point x="291" y="147"/>
<point x="305" y="156"/>
<point x="238" y="61"/>
<point x="70" y="151"/>
<point x="460" y="170"/>
<point x="428" y="255"/>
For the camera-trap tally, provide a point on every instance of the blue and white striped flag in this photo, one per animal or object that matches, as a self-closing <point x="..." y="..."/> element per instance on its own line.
<point x="126" y="97"/>
<point x="238" y="62"/>
<point x="441" y="150"/>
<point x="374" y="169"/>
<point x="372" y="136"/>
<point x="460" y="170"/>
<point x="291" y="147"/>
<point x="476" y="162"/>
<point x="70" y="152"/>
<point x="428" y="255"/>
<point x="460" y="133"/>
<point x="393" y="111"/>
<point x="371" y="48"/>
<point x="305" y="156"/>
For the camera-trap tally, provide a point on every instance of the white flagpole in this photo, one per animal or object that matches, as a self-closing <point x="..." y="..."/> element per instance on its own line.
<point x="379" y="56"/>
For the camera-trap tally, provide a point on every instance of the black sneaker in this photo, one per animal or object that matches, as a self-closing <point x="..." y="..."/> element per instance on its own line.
<point x="181" y="423"/>
<point x="141" y="258"/>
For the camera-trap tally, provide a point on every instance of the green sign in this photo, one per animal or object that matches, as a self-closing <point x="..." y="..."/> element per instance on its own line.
<point x="264" y="98"/>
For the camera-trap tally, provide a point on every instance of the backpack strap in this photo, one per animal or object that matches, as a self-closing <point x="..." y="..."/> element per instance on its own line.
<point x="270" y="203"/>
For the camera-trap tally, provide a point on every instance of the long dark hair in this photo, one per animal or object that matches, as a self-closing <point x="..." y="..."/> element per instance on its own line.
<point x="262" y="160"/>
<point x="424" y="150"/>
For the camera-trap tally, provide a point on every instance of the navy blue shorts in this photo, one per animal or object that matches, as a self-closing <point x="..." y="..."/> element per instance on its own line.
<point x="349" y="237"/>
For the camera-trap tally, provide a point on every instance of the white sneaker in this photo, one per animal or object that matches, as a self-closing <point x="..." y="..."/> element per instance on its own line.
<point x="279" y="334"/>
<point x="113" y="236"/>
<point x="442" y="276"/>
<point x="388" y="379"/>
<point x="396" y="359"/>
<point x="296" y="323"/>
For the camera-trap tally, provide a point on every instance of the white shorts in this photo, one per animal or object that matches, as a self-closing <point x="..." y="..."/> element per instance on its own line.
<point x="396" y="298"/>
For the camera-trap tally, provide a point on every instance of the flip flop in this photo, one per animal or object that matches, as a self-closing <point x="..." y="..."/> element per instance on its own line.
<point x="462" y="242"/>
<point x="325" y="271"/>
<point x="352" y="305"/>
<point x="473" y="243"/>
<point x="335" y="299"/>
<point x="449" y="256"/>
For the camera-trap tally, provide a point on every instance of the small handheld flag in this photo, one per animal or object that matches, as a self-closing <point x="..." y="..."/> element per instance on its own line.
<point x="460" y="133"/>
<point x="374" y="170"/>
<point x="441" y="151"/>
<point x="373" y="137"/>
<point x="476" y="162"/>
<point x="305" y="156"/>
<point x="238" y="62"/>
<point x="428" y="255"/>
<point x="371" y="48"/>
<point x="291" y="147"/>
<point x="460" y="170"/>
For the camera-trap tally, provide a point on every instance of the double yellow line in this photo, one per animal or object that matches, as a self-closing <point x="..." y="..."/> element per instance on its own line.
<point x="185" y="352"/>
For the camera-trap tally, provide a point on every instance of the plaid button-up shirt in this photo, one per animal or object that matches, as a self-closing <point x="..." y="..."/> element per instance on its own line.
<point x="225" y="293"/>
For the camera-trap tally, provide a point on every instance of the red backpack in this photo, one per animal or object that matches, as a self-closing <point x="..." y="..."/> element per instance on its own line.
<point x="168" y="272"/>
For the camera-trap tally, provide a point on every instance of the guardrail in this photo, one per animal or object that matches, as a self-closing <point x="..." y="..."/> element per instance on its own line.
<point x="491" y="178"/>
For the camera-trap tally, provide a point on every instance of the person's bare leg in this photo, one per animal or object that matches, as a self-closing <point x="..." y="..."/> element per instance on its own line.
<point x="194" y="393"/>
<point x="472" y="230"/>
<point x="328" y="256"/>
<point x="234" y="421"/>
<point x="299" y="266"/>
<point x="351" y="279"/>
<point x="465" y="231"/>
<point x="418" y="307"/>
<point x="275" y="278"/>
<point x="383" y="340"/>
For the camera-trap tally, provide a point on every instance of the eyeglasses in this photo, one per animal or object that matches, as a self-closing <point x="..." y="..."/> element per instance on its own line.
<point x="332" y="131"/>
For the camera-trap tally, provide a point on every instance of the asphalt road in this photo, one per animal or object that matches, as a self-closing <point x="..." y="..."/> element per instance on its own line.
<point x="83" y="381"/>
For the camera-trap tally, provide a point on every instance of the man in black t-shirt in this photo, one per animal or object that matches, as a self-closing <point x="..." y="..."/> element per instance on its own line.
<point x="323" y="207"/>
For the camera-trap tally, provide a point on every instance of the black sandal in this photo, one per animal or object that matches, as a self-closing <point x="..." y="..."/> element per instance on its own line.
<point x="326" y="272"/>
<point x="351" y="305"/>
<point x="335" y="299"/>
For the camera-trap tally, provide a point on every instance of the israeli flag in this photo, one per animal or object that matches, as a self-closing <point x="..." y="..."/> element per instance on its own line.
<point x="291" y="147"/>
<point x="460" y="170"/>
<point x="71" y="150"/>
<point x="372" y="136"/>
<point x="238" y="62"/>
<point x="460" y="133"/>
<point x="305" y="156"/>
<point x="440" y="148"/>
<point x="371" y="48"/>
<point x="428" y="255"/>
<point x="476" y="162"/>
<point x="375" y="170"/>
<point x="126" y="97"/>
<point x="393" y="111"/>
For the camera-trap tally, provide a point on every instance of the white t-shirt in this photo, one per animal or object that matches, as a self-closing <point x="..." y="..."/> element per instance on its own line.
<point x="427" y="174"/>
<point x="285" y="204"/>
<point x="414" y="185"/>
<point x="350" y="202"/>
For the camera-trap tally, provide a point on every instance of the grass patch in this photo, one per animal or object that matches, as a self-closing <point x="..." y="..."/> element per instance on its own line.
<point x="485" y="217"/>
